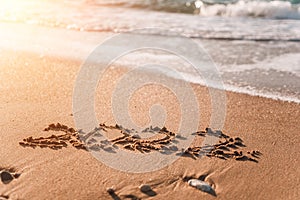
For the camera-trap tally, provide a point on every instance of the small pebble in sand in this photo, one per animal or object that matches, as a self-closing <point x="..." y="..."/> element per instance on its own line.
<point x="202" y="185"/>
<point x="6" y="177"/>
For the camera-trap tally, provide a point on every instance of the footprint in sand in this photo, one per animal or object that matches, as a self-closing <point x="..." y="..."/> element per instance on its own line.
<point x="7" y="175"/>
<point x="4" y="197"/>
<point x="113" y="194"/>
<point x="146" y="189"/>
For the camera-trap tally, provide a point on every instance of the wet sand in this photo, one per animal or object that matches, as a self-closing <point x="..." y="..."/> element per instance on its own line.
<point x="37" y="91"/>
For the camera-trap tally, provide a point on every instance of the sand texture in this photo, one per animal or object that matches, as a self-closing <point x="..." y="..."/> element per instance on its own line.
<point x="257" y="155"/>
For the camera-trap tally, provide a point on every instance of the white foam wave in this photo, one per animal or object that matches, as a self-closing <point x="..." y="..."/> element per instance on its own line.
<point x="271" y="9"/>
<point x="245" y="90"/>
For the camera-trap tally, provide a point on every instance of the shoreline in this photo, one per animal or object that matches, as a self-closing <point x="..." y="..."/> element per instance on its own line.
<point x="34" y="40"/>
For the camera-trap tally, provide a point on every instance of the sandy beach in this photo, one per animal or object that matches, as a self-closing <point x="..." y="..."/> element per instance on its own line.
<point x="37" y="91"/>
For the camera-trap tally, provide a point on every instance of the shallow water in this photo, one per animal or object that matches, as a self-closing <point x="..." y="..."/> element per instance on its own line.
<point x="255" y="44"/>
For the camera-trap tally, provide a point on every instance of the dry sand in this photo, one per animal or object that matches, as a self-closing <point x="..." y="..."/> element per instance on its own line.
<point x="37" y="91"/>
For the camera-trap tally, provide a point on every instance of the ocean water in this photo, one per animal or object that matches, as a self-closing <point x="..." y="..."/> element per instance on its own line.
<point x="255" y="44"/>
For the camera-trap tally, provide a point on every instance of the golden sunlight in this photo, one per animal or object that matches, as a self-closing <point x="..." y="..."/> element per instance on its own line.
<point x="15" y="10"/>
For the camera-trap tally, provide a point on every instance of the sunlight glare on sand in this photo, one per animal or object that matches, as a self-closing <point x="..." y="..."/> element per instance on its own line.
<point x="15" y="10"/>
